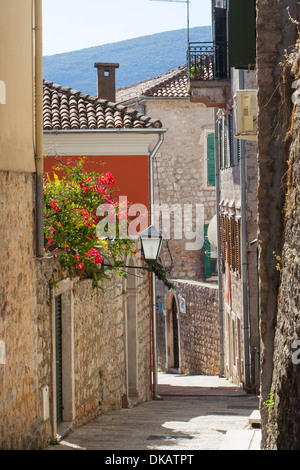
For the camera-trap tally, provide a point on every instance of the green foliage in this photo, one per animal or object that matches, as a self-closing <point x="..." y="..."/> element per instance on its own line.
<point x="71" y="200"/>
<point x="158" y="269"/>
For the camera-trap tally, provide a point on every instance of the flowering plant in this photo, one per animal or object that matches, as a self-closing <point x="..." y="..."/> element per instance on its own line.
<point x="71" y="201"/>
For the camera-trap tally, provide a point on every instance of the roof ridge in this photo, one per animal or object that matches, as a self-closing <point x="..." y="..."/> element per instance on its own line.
<point x="134" y="114"/>
<point x="160" y="78"/>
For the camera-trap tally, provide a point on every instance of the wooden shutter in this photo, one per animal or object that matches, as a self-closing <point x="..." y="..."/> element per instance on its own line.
<point x="242" y="33"/>
<point x="211" y="172"/>
<point x="220" y="39"/>
<point x="225" y="237"/>
<point x="221" y="143"/>
<point x="239" y="150"/>
<point x="232" y="244"/>
<point x="225" y="143"/>
<point x="238" y="245"/>
<point x="230" y="137"/>
<point x="221" y="234"/>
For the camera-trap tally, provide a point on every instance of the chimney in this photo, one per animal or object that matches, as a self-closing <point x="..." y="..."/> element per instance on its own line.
<point x="106" y="80"/>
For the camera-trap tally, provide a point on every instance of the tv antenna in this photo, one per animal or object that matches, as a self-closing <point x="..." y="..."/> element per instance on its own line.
<point x="187" y="16"/>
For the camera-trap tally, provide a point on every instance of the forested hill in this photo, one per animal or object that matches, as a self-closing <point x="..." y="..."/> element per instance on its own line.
<point x="140" y="59"/>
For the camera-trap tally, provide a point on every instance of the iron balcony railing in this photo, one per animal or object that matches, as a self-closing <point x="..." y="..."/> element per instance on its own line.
<point x="207" y="61"/>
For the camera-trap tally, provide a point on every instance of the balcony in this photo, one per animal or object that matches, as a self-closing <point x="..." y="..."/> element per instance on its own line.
<point x="208" y="73"/>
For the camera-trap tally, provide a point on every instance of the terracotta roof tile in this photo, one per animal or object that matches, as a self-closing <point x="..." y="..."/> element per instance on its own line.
<point x="172" y="84"/>
<point x="65" y="108"/>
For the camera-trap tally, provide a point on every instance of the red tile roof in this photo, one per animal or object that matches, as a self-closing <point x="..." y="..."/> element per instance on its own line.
<point x="172" y="84"/>
<point x="65" y="108"/>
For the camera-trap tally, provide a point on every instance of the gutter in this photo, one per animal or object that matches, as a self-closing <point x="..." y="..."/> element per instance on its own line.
<point x="39" y="127"/>
<point x="151" y="130"/>
<point x="220" y="290"/>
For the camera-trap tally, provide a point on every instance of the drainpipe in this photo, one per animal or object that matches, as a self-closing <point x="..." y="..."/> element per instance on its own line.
<point x="151" y="189"/>
<point x="39" y="127"/>
<point x="244" y="264"/>
<point x="220" y="290"/>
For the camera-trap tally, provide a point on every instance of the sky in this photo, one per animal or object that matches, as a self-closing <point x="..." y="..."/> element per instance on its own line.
<point x="70" y="25"/>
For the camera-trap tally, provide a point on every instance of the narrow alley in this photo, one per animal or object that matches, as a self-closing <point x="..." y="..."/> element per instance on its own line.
<point x="193" y="413"/>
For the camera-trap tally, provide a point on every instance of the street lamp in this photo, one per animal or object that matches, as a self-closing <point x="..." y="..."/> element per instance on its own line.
<point x="151" y="242"/>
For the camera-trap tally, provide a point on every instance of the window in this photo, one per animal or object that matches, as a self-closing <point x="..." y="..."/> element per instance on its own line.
<point x="239" y="150"/>
<point x="221" y="143"/>
<point x="211" y="173"/>
<point x="209" y="261"/>
<point x="225" y="162"/>
<point x="230" y="244"/>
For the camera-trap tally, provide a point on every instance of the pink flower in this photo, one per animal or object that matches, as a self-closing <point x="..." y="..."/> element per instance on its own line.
<point x="107" y="179"/>
<point x="93" y="253"/>
<point x="80" y="266"/>
<point x="54" y="206"/>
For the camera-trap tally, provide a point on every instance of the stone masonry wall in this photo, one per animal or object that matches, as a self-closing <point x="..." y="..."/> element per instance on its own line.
<point x="199" y="336"/>
<point x="283" y="421"/>
<point x="94" y="320"/>
<point x="180" y="176"/>
<point x="21" y="422"/>
<point x="275" y="35"/>
<point x="100" y="341"/>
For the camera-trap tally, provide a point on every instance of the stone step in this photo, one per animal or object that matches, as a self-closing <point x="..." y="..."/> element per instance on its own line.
<point x="255" y="417"/>
<point x="248" y="439"/>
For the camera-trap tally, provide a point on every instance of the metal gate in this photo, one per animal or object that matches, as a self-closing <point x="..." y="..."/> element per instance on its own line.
<point x="58" y="359"/>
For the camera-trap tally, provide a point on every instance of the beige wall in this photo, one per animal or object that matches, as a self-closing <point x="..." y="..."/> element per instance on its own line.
<point x="16" y="70"/>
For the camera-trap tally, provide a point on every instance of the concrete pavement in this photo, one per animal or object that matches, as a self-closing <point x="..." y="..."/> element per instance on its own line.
<point x="194" y="413"/>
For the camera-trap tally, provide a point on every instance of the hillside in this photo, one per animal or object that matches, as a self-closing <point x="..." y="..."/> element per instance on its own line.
<point x="140" y="59"/>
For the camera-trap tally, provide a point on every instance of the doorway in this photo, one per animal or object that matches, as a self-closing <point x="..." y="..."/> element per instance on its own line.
<point x="172" y="334"/>
<point x="63" y="355"/>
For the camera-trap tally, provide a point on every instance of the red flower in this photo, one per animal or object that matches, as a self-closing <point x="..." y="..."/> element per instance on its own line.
<point x="54" y="206"/>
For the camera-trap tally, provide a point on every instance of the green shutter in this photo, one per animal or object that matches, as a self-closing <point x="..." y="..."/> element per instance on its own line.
<point x="211" y="171"/>
<point x="225" y="143"/>
<point x="206" y="255"/>
<point x="242" y="33"/>
<point x="221" y="143"/>
<point x="220" y="39"/>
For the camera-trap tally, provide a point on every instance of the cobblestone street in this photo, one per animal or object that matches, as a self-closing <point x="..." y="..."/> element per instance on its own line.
<point x="194" y="413"/>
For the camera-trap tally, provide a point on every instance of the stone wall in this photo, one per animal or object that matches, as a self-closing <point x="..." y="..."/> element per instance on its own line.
<point x="180" y="177"/>
<point x="98" y="321"/>
<point x="198" y="327"/>
<point x="97" y="359"/>
<point x="283" y="421"/>
<point x="21" y="422"/>
<point x="275" y="35"/>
